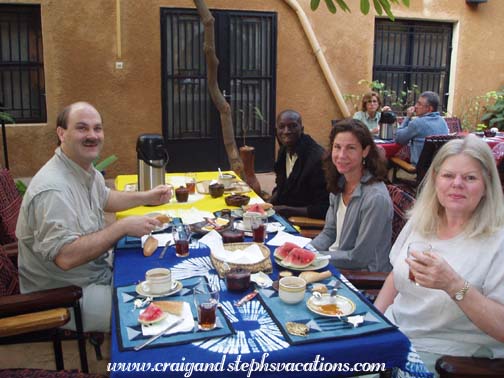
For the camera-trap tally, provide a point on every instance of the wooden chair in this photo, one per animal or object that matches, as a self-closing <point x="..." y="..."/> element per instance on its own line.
<point x="10" y="204"/>
<point x="42" y="308"/>
<point x="310" y="227"/>
<point x="431" y="146"/>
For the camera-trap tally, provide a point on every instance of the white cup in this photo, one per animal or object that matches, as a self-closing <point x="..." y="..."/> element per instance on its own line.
<point x="291" y="290"/>
<point x="157" y="281"/>
<point x="227" y="180"/>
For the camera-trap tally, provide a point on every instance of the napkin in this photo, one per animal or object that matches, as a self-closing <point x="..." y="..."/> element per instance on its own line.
<point x="250" y="255"/>
<point x="192" y="215"/>
<point x="282" y="237"/>
<point x="161" y="238"/>
<point x="186" y="326"/>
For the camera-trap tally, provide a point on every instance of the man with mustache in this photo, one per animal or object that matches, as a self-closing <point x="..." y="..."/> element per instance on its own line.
<point x="61" y="230"/>
<point x="300" y="183"/>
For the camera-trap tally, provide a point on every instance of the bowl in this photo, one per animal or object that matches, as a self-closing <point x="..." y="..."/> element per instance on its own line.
<point x="237" y="200"/>
<point x="238" y="279"/>
<point x="182" y="194"/>
<point x="216" y="190"/>
<point x="227" y="180"/>
<point x="291" y="290"/>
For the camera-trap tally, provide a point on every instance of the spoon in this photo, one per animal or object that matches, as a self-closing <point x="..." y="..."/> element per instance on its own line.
<point x="220" y="172"/>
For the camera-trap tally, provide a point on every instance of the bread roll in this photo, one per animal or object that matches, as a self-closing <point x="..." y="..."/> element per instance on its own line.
<point x="311" y="276"/>
<point x="163" y="218"/>
<point x="150" y="246"/>
<point x="173" y="307"/>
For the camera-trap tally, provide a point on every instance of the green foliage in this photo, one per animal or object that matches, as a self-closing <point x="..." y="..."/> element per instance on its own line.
<point x="21" y="187"/>
<point x="484" y="111"/>
<point x="102" y="165"/>
<point x="494" y="112"/>
<point x="379" y="6"/>
<point x="6" y="118"/>
<point x="399" y="102"/>
<point x="256" y="114"/>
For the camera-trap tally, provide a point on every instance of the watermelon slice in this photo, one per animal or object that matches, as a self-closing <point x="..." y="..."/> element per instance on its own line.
<point x="299" y="258"/>
<point x="256" y="208"/>
<point x="151" y="314"/>
<point x="283" y="251"/>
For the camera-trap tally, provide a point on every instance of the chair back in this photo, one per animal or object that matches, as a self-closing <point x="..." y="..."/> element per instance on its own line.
<point x="432" y="145"/>
<point x="10" y="203"/>
<point x="402" y="201"/>
<point x="9" y="280"/>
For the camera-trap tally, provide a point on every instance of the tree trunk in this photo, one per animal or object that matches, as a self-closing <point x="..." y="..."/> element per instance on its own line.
<point x="247" y="155"/>
<point x="215" y="93"/>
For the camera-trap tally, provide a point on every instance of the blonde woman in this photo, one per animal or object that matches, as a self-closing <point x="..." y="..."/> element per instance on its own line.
<point x="456" y="306"/>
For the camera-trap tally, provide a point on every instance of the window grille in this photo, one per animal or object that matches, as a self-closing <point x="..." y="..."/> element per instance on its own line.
<point x="22" y="86"/>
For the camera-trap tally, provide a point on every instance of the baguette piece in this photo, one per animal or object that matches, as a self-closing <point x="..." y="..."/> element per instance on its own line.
<point x="311" y="276"/>
<point x="150" y="246"/>
<point x="173" y="307"/>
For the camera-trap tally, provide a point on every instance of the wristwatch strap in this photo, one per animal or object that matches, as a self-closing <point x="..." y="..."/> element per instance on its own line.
<point x="459" y="295"/>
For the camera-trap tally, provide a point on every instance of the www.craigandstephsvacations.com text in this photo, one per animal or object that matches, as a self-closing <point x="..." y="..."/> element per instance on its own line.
<point x="237" y="365"/>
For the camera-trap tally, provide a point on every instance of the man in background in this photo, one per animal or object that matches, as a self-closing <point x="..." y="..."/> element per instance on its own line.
<point x="300" y="183"/>
<point x="428" y="122"/>
<point x="61" y="228"/>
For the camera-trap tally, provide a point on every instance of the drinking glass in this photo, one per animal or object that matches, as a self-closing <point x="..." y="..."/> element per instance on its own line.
<point x="206" y="300"/>
<point x="416" y="246"/>
<point x="258" y="226"/>
<point x="181" y="242"/>
<point x="190" y="181"/>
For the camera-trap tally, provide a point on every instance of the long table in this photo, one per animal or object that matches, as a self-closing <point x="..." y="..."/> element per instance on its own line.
<point x="256" y="346"/>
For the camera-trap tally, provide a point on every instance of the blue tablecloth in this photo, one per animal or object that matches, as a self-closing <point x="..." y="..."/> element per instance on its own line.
<point x="257" y="341"/>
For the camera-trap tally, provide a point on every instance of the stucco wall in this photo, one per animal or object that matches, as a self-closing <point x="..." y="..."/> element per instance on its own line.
<point x="80" y="47"/>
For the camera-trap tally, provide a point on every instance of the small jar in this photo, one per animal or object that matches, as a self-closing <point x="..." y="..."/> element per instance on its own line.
<point x="238" y="279"/>
<point x="216" y="190"/>
<point x="182" y="194"/>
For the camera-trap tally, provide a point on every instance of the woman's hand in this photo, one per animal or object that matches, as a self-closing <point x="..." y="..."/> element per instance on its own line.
<point x="432" y="271"/>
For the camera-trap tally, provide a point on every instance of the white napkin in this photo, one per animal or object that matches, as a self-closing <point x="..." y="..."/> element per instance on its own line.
<point x="192" y="215"/>
<point x="250" y="255"/>
<point x="282" y="237"/>
<point x="161" y="238"/>
<point x="186" y="326"/>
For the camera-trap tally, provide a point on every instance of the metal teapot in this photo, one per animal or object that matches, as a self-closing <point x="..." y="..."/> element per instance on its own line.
<point x="152" y="159"/>
<point x="387" y="125"/>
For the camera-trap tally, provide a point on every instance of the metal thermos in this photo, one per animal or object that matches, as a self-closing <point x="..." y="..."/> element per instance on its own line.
<point x="387" y="125"/>
<point x="152" y="159"/>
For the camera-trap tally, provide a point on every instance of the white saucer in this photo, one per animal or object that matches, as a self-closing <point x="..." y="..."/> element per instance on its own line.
<point x="176" y="287"/>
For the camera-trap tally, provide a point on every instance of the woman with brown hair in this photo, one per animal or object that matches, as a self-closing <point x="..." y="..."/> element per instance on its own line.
<point x="358" y="226"/>
<point x="370" y="111"/>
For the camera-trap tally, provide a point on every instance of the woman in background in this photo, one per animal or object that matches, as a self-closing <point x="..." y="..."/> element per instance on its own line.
<point x="456" y="306"/>
<point x="370" y="112"/>
<point x="358" y="225"/>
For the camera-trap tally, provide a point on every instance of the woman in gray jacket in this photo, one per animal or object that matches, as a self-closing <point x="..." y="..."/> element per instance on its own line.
<point x="358" y="225"/>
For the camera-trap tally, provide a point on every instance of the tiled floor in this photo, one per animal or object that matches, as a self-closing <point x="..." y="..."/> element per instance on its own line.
<point x="40" y="355"/>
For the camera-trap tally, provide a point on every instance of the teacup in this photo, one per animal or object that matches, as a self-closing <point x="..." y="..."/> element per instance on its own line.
<point x="291" y="290"/>
<point x="157" y="281"/>
<point x="227" y="180"/>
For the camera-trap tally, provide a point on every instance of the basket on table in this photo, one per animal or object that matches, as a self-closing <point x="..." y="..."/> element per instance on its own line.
<point x="262" y="266"/>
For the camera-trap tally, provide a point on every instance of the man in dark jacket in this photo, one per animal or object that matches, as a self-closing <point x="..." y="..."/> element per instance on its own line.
<point x="300" y="182"/>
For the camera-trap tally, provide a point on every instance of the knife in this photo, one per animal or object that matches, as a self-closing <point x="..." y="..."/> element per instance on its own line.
<point x="167" y="245"/>
<point x="155" y="337"/>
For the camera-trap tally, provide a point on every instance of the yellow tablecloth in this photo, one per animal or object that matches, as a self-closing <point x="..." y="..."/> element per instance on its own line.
<point x="206" y="203"/>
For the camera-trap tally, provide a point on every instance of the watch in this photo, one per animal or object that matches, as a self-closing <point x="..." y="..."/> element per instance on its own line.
<point x="459" y="295"/>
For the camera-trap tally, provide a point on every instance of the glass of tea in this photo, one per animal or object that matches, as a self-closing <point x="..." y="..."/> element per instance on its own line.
<point x="190" y="181"/>
<point x="181" y="242"/>
<point x="258" y="226"/>
<point x="416" y="246"/>
<point x="206" y="300"/>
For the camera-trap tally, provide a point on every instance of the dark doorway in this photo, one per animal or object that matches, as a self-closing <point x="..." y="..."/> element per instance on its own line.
<point x="246" y="49"/>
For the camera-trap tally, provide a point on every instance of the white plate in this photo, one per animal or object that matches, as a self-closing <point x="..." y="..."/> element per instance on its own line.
<point x="345" y="305"/>
<point x="176" y="287"/>
<point x="315" y="265"/>
<point x="239" y="213"/>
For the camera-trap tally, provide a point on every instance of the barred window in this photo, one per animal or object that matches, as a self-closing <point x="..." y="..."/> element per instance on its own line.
<point x="22" y="86"/>
<point x="408" y="53"/>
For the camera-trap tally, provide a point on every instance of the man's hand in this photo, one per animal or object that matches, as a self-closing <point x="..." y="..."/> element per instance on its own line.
<point x="139" y="225"/>
<point x="410" y="112"/>
<point x="159" y="195"/>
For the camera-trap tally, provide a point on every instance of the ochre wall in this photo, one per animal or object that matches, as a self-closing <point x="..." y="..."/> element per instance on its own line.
<point x="80" y="45"/>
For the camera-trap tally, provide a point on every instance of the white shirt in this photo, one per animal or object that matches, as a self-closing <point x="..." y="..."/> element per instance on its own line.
<point x="290" y="160"/>
<point x="340" y="217"/>
<point x="429" y="317"/>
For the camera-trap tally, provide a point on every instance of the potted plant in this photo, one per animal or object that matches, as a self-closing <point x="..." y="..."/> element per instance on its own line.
<point x="494" y="112"/>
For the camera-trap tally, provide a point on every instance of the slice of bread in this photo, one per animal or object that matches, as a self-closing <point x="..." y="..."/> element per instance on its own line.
<point x="173" y="307"/>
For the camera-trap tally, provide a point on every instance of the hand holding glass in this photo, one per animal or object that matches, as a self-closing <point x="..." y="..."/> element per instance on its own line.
<point x="420" y="247"/>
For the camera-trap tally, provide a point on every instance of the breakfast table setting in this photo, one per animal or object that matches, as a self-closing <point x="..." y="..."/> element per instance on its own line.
<point x="240" y="303"/>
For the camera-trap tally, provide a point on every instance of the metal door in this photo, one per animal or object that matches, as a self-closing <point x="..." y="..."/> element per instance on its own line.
<point x="246" y="48"/>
